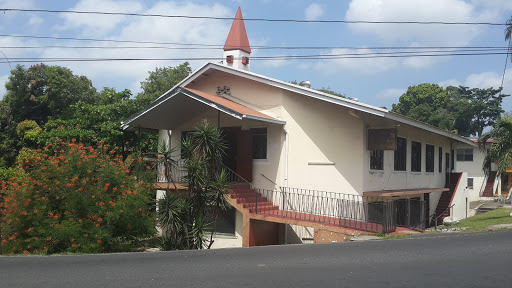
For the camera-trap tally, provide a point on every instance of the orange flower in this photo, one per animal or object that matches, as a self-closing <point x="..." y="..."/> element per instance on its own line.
<point x="98" y="225"/>
<point x="99" y="241"/>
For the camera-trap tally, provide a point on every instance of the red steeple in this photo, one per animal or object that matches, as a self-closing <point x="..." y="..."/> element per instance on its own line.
<point x="237" y="38"/>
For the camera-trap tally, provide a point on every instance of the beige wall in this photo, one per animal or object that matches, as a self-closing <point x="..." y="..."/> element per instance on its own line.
<point x="389" y="179"/>
<point x="263" y="98"/>
<point x="325" y="145"/>
<point x="473" y="170"/>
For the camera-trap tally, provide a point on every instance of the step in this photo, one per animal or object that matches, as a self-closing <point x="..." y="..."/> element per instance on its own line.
<point x="260" y="205"/>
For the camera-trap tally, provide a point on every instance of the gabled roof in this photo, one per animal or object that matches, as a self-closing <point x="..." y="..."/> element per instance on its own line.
<point x="180" y="104"/>
<point x="355" y="105"/>
<point x="237" y="37"/>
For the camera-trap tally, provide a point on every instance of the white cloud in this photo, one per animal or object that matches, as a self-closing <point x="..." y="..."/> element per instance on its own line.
<point x="484" y="80"/>
<point x="412" y="35"/>
<point x="314" y="11"/>
<point x="418" y="10"/>
<point x="35" y="21"/>
<point x="3" y="80"/>
<point x="154" y="29"/>
<point x="92" y="24"/>
<point x="363" y="65"/>
<point x="391" y="93"/>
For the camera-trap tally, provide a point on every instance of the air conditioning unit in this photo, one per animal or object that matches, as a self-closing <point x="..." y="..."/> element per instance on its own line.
<point x="229" y="59"/>
<point x="245" y="60"/>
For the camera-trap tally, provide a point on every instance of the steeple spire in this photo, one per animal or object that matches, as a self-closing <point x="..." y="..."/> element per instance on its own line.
<point x="237" y="37"/>
<point x="237" y="49"/>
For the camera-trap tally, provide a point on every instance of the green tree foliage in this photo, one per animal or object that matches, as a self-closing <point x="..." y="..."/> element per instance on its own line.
<point x="501" y="146"/>
<point x="74" y="198"/>
<point x="184" y="216"/>
<point x="160" y="81"/>
<point x="484" y="105"/>
<point x="98" y="119"/>
<point x="8" y="145"/>
<point x="460" y="109"/>
<point x="420" y="102"/>
<point x="28" y="131"/>
<point x="42" y="91"/>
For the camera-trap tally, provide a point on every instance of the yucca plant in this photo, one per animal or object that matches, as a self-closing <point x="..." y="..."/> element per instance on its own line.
<point x="184" y="215"/>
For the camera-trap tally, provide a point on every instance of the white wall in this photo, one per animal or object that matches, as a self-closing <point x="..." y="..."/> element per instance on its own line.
<point x="389" y="179"/>
<point x="461" y="199"/>
<point x="473" y="169"/>
<point x="230" y="241"/>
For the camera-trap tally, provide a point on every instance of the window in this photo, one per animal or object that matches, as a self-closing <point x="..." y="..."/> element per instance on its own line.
<point x="429" y="158"/>
<point x="377" y="159"/>
<point x="464" y="155"/>
<point x="440" y="160"/>
<point x="400" y="154"/>
<point x="415" y="156"/>
<point x="225" y="221"/>
<point x="259" y="143"/>
<point x="470" y="183"/>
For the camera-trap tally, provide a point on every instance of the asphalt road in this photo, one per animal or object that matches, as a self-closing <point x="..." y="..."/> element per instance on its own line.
<point x="454" y="260"/>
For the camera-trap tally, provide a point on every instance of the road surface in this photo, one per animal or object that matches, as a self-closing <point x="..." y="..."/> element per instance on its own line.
<point x="447" y="260"/>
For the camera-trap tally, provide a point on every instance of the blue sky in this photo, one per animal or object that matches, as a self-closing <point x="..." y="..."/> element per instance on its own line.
<point x="378" y="81"/>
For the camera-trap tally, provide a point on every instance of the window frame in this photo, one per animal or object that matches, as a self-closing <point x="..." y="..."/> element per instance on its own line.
<point x="380" y="157"/>
<point x="470" y="179"/>
<point x="430" y="162"/>
<point x="416" y="156"/>
<point x="464" y="156"/>
<point x="255" y="135"/>
<point x="440" y="157"/>
<point x="402" y="157"/>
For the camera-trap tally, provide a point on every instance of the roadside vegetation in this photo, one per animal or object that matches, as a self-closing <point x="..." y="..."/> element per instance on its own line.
<point x="483" y="222"/>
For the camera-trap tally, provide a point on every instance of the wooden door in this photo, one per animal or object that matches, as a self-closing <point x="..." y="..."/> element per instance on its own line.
<point x="244" y="155"/>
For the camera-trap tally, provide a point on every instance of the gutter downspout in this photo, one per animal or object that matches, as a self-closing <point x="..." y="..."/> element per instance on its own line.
<point x="286" y="142"/>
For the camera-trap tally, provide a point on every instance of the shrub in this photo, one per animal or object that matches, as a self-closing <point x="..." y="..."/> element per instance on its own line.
<point x="73" y="198"/>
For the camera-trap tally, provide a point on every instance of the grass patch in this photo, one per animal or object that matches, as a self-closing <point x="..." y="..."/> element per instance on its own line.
<point x="483" y="222"/>
<point x="396" y="236"/>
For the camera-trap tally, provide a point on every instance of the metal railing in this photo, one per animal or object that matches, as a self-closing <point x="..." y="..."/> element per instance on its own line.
<point x="345" y="210"/>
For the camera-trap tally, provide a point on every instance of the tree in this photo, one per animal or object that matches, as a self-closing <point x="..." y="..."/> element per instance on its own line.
<point x="160" y="81"/>
<point x="184" y="216"/>
<point x="421" y="102"/>
<point x="43" y="91"/>
<point x="459" y="109"/>
<point x="501" y="146"/>
<point x="8" y="150"/>
<point x="484" y="105"/>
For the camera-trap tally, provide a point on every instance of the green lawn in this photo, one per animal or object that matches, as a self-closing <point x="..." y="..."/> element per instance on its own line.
<point x="483" y="222"/>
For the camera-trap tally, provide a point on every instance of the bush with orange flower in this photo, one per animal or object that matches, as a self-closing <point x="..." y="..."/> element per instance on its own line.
<point x="70" y="197"/>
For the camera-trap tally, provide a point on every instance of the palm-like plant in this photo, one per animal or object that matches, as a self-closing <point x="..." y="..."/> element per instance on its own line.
<point x="185" y="215"/>
<point x="501" y="146"/>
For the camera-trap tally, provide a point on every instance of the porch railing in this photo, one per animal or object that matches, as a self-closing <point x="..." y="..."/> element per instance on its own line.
<point x="345" y="210"/>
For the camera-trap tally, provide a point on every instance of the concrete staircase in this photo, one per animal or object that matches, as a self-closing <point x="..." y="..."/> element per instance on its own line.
<point x="488" y="190"/>
<point x="446" y="198"/>
<point x="251" y="199"/>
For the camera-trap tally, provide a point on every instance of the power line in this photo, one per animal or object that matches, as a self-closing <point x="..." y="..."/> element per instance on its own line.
<point x="217" y="46"/>
<point x="249" y="19"/>
<point x="305" y="57"/>
<point x="260" y="47"/>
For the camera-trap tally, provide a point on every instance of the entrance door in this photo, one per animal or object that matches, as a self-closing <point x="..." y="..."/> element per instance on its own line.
<point x="244" y="155"/>
<point x="230" y="137"/>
